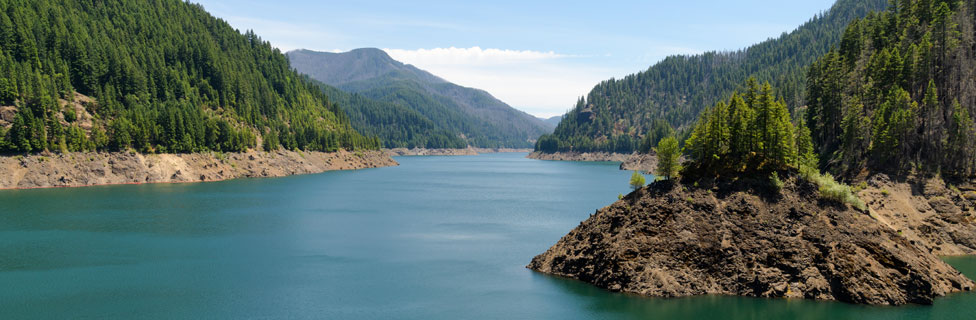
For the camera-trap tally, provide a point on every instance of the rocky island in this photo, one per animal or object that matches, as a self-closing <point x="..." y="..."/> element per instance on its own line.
<point x="670" y="240"/>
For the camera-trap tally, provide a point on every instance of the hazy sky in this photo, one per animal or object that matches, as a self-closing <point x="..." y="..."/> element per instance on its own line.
<point x="537" y="56"/>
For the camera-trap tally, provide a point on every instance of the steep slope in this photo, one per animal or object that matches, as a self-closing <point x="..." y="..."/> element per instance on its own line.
<point x="670" y="240"/>
<point x="165" y="76"/>
<point x="899" y="94"/>
<point x="396" y="125"/>
<point x="473" y="114"/>
<point x="617" y="112"/>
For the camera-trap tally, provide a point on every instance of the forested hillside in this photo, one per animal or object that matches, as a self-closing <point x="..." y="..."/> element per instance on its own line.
<point x="899" y="93"/>
<point x="618" y="113"/>
<point x="164" y="75"/>
<point x="472" y="114"/>
<point x="397" y="126"/>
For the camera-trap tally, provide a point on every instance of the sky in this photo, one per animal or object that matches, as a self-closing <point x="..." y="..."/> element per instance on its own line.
<point x="537" y="56"/>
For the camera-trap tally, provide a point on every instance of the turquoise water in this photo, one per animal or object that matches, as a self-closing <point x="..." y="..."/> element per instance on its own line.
<point x="436" y="238"/>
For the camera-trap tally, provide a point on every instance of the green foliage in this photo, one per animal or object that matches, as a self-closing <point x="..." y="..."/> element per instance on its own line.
<point x="677" y="89"/>
<point x="775" y="181"/>
<point x="410" y="107"/>
<point x="69" y="115"/>
<point x="882" y="99"/>
<point x="660" y="129"/>
<point x="668" y="153"/>
<point x="806" y="156"/>
<point x="752" y="131"/>
<point x="397" y="125"/>
<point x="637" y="180"/>
<point x="166" y="75"/>
<point x="830" y="189"/>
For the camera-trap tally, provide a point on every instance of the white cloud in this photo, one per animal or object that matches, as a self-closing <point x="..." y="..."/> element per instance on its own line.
<point x="470" y="56"/>
<point x="541" y="83"/>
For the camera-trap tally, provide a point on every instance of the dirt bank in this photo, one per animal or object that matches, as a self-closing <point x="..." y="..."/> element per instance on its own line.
<point x="936" y="217"/>
<point x="85" y="169"/>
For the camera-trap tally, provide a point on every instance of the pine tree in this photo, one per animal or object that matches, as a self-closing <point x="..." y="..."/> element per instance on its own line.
<point x="667" y="158"/>
<point x="806" y="156"/>
<point x="637" y="180"/>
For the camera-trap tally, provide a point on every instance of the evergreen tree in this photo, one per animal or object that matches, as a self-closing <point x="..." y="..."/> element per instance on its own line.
<point x="752" y="132"/>
<point x="668" y="153"/>
<point x="161" y="75"/>
<point x="637" y="180"/>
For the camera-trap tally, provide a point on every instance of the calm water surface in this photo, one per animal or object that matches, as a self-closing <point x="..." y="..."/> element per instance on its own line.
<point x="436" y="238"/>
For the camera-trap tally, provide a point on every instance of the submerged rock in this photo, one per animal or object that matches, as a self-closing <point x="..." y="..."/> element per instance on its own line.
<point x="667" y="240"/>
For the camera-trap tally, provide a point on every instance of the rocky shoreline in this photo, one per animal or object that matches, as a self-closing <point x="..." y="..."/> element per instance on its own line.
<point x="669" y="240"/>
<point x="100" y="168"/>
<point x="629" y="162"/>
<point x="399" y="152"/>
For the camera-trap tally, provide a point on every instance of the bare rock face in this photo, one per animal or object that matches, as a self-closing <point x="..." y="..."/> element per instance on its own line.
<point x="640" y="162"/>
<point x="666" y="241"/>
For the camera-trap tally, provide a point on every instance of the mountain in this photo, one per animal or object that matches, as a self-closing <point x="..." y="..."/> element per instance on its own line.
<point x="617" y="113"/>
<point x="397" y="125"/>
<point x="154" y="76"/>
<point x="482" y="120"/>
<point x="898" y="95"/>
<point x="553" y="121"/>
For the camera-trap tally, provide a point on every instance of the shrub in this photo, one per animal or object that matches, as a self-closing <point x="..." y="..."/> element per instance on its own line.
<point x="832" y="190"/>
<point x="777" y="183"/>
<point x="637" y="180"/>
<point x="69" y="114"/>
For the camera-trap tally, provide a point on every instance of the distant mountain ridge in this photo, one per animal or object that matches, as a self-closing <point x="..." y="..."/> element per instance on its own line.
<point x="552" y="121"/>
<point x="473" y="114"/>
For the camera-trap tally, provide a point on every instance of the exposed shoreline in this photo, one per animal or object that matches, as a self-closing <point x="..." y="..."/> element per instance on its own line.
<point x="399" y="152"/>
<point x="629" y="162"/>
<point x="100" y="168"/>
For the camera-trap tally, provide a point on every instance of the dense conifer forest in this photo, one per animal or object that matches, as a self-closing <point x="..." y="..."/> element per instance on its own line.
<point x="152" y="76"/>
<point x="619" y="113"/>
<point x="898" y="95"/>
<point x="396" y="125"/>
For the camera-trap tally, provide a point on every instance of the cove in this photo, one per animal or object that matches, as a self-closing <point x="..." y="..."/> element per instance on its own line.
<point x="435" y="238"/>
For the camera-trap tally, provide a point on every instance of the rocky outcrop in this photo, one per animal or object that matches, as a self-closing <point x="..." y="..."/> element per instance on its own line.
<point x="86" y="169"/>
<point x="640" y="162"/>
<point x="669" y="240"/>
<point x="576" y="156"/>
<point x="501" y="150"/>
<point x="399" y="152"/>
<point x="935" y="217"/>
<point x="630" y="162"/>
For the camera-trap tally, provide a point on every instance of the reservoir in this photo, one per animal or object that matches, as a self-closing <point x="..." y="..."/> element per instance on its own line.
<point x="435" y="238"/>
